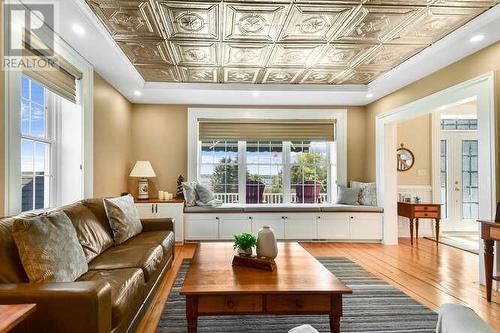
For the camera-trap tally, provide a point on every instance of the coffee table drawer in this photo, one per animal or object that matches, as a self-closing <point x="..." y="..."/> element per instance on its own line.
<point x="298" y="303"/>
<point x="229" y="304"/>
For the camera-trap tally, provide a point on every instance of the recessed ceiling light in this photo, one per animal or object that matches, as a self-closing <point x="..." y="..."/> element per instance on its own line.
<point x="137" y="93"/>
<point x="78" y="29"/>
<point x="476" y="38"/>
<point x="255" y="94"/>
<point x="369" y="95"/>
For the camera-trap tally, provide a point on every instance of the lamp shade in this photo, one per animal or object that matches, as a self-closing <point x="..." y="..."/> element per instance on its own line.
<point x="142" y="169"/>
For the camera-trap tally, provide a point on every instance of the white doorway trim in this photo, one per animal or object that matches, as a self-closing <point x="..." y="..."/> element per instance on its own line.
<point x="482" y="88"/>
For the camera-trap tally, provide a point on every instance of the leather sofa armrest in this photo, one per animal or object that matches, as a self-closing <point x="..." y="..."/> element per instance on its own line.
<point x="76" y="307"/>
<point x="157" y="224"/>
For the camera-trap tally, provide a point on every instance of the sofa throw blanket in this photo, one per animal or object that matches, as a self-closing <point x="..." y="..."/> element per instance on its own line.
<point x="49" y="249"/>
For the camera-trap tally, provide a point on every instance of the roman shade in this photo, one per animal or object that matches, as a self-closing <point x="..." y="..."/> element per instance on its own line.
<point x="59" y="77"/>
<point x="265" y="129"/>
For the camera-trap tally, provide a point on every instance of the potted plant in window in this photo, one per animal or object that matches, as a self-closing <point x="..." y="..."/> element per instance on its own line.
<point x="308" y="175"/>
<point x="245" y="243"/>
<point x="255" y="188"/>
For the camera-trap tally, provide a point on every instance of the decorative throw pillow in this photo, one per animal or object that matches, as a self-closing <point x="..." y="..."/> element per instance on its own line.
<point x="189" y="190"/>
<point x="204" y="193"/>
<point x="123" y="218"/>
<point x="368" y="194"/>
<point x="49" y="249"/>
<point x="347" y="196"/>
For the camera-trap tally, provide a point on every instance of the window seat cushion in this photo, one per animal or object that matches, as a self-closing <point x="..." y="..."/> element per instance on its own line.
<point x="284" y="209"/>
<point x="209" y="209"/>
<point x="352" y="208"/>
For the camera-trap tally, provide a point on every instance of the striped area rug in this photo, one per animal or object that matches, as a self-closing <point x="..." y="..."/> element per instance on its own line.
<point x="374" y="306"/>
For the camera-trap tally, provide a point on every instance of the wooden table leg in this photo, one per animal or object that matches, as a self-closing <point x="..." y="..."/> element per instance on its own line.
<point x="411" y="231"/>
<point x="335" y="313"/>
<point x="192" y="313"/>
<point x="417" y="221"/>
<point x="437" y="231"/>
<point x="488" y="267"/>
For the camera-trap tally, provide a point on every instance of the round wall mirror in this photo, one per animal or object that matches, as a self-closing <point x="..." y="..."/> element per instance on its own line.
<point x="405" y="159"/>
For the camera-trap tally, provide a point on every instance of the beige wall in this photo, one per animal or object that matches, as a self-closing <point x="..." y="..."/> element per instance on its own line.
<point x="484" y="61"/>
<point x="112" y="139"/>
<point x="159" y="134"/>
<point x="415" y="134"/>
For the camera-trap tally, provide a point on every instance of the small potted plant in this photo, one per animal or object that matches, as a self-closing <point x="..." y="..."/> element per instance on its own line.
<point x="244" y="243"/>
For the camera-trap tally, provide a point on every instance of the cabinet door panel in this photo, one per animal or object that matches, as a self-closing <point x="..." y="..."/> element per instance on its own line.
<point x="145" y="210"/>
<point x="275" y="222"/>
<point x="366" y="226"/>
<point x="300" y="227"/>
<point x="333" y="227"/>
<point x="176" y="212"/>
<point x="206" y="228"/>
<point x="230" y="226"/>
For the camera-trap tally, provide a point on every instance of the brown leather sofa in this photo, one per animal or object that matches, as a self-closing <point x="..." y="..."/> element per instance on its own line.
<point x="112" y="295"/>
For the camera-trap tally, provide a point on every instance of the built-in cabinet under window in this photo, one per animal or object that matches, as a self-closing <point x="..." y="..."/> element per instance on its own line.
<point x="286" y="226"/>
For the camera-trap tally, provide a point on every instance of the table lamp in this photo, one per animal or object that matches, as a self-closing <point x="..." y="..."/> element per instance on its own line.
<point x="143" y="170"/>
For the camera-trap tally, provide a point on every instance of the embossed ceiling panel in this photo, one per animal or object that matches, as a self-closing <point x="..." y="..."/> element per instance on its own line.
<point x="259" y="22"/>
<point x="277" y="41"/>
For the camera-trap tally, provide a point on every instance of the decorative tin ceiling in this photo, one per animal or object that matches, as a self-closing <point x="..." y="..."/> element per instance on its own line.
<point x="277" y="41"/>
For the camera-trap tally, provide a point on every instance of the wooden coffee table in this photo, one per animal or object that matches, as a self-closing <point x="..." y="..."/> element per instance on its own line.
<point x="300" y="286"/>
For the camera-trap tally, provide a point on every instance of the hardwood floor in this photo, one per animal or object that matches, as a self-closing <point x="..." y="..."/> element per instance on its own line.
<point x="429" y="274"/>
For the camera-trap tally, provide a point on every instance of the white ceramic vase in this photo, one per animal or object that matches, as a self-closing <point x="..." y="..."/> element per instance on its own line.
<point x="266" y="243"/>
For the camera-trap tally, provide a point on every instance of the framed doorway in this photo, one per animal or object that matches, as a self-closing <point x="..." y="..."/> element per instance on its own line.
<point x="480" y="88"/>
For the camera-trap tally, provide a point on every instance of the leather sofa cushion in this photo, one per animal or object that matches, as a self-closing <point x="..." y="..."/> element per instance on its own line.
<point x="146" y="257"/>
<point x="93" y="237"/>
<point x="127" y="286"/>
<point x="96" y="206"/>
<point x="164" y="238"/>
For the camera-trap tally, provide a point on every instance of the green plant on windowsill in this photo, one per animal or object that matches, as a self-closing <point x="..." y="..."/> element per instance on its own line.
<point x="244" y="243"/>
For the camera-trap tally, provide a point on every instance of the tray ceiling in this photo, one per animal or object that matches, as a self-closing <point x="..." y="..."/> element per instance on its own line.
<point x="280" y="41"/>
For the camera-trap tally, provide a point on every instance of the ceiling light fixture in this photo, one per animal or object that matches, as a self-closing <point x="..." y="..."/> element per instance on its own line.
<point x="137" y="93"/>
<point x="369" y="95"/>
<point x="255" y="94"/>
<point x="78" y="29"/>
<point x="476" y="38"/>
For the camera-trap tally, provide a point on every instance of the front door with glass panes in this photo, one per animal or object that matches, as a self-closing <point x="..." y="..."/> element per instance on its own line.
<point x="459" y="174"/>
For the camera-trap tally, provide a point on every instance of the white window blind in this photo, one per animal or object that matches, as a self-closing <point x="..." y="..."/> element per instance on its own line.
<point x="59" y="78"/>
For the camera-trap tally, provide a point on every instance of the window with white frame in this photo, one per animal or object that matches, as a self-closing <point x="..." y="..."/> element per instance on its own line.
<point x="264" y="172"/>
<point x="218" y="168"/>
<point x="37" y="142"/>
<point x="276" y="172"/>
<point x="50" y="148"/>
<point x="267" y="161"/>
